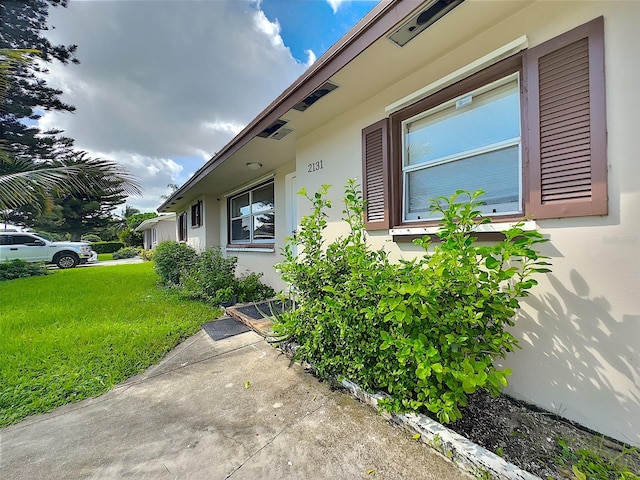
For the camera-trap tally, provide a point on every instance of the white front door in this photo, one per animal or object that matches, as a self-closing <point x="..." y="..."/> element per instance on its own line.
<point x="292" y="206"/>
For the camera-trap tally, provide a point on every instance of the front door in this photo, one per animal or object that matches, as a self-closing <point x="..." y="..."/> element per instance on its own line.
<point x="292" y="207"/>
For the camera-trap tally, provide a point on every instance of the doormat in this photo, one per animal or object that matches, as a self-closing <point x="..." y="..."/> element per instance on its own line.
<point x="259" y="311"/>
<point x="224" y="327"/>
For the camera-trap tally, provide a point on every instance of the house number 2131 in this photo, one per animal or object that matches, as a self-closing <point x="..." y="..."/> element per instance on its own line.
<point x="315" y="166"/>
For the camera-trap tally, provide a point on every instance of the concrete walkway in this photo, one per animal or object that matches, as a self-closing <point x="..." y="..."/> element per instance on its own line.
<point x="108" y="263"/>
<point x="231" y="409"/>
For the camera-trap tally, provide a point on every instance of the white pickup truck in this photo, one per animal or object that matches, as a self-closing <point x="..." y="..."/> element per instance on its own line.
<point x="32" y="248"/>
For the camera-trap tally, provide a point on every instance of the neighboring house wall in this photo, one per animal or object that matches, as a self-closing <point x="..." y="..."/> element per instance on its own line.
<point x="165" y="231"/>
<point x="580" y="329"/>
<point x="157" y="230"/>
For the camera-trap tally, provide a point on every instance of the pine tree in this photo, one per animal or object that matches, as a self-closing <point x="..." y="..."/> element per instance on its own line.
<point x="21" y="28"/>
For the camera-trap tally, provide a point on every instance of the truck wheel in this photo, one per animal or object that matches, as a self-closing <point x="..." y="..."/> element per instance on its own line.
<point x="66" y="260"/>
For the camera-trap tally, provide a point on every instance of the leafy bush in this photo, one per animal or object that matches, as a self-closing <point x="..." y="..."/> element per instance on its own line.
<point x="90" y="237"/>
<point x="170" y="259"/>
<point x="210" y="277"/>
<point x="146" y="255"/>
<point x="426" y="331"/>
<point x="106" y="247"/>
<point x="13" y="269"/>
<point x="126" y="252"/>
<point x="595" y="463"/>
<point x="249" y="288"/>
<point x="130" y="238"/>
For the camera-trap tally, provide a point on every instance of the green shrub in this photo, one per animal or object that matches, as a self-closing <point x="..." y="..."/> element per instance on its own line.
<point x="106" y="247"/>
<point x="130" y="238"/>
<point x="146" y="255"/>
<point x="597" y="463"/>
<point x="170" y="259"/>
<point x="13" y="269"/>
<point x="249" y="288"/>
<point x="426" y="331"/>
<point x="90" y="237"/>
<point x="126" y="252"/>
<point x="210" y="277"/>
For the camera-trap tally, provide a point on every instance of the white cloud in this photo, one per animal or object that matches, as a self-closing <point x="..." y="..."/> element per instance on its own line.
<point x="162" y="80"/>
<point x="335" y="4"/>
<point x="221" y="126"/>
<point x="269" y="28"/>
<point x="311" y="58"/>
<point x="155" y="173"/>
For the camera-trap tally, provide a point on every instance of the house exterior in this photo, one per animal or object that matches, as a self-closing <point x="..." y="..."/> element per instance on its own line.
<point x="535" y="102"/>
<point x="157" y="230"/>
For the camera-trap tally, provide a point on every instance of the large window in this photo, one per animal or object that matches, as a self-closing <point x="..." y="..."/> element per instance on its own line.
<point x="469" y="143"/>
<point x="530" y="131"/>
<point x="252" y="216"/>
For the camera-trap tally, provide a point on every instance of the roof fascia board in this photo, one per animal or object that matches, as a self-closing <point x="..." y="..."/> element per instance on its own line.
<point x="377" y="23"/>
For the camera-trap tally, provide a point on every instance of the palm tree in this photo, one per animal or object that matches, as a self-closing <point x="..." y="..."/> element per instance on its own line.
<point x="29" y="182"/>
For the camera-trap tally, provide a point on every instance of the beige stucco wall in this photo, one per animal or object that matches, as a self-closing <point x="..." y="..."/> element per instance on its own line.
<point x="580" y="330"/>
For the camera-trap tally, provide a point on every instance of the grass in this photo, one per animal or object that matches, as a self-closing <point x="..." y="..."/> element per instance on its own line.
<point x="76" y="333"/>
<point x="105" y="256"/>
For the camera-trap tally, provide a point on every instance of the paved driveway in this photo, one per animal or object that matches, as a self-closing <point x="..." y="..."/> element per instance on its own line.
<point x="231" y="409"/>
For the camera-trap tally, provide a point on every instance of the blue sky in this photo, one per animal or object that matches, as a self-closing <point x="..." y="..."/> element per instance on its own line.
<point x="312" y="24"/>
<point x="164" y="84"/>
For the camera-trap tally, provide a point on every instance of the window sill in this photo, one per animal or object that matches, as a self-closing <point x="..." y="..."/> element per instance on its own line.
<point x="267" y="248"/>
<point x="495" y="227"/>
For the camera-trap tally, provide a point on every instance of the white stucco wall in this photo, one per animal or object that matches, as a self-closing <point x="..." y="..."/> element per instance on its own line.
<point x="211" y="216"/>
<point x="580" y="330"/>
<point x="165" y="231"/>
<point x="197" y="236"/>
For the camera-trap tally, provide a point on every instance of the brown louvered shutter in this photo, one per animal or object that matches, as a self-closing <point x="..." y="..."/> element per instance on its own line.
<point x="375" y="175"/>
<point x="567" y="125"/>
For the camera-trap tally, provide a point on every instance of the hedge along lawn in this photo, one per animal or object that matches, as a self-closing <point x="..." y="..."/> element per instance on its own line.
<point x="76" y="333"/>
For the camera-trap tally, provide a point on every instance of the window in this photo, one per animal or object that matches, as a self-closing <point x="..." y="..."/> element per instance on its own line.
<point x="471" y="142"/>
<point x="154" y="236"/>
<point x="252" y="216"/>
<point x="196" y="214"/>
<point x="25" y="240"/>
<point x="530" y="131"/>
<point x="182" y="227"/>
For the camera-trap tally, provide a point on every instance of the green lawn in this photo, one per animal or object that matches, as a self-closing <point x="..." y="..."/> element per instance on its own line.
<point x="105" y="256"/>
<point x="76" y="333"/>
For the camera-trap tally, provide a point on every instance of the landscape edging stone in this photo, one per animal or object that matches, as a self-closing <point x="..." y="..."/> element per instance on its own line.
<point x="475" y="459"/>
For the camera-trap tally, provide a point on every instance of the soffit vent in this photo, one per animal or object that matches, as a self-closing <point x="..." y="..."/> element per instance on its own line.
<point x="281" y="133"/>
<point x="320" y="92"/>
<point x="422" y="20"/>
<point x="273" y="128"/>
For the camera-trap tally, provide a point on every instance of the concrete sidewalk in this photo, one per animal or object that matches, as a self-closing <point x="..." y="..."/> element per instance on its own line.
<point x="231" y="409"/>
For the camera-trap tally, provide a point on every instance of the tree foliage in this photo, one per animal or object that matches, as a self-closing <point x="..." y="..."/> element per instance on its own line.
<point x="41" y="175"/>
<point x="22" y="27"/>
